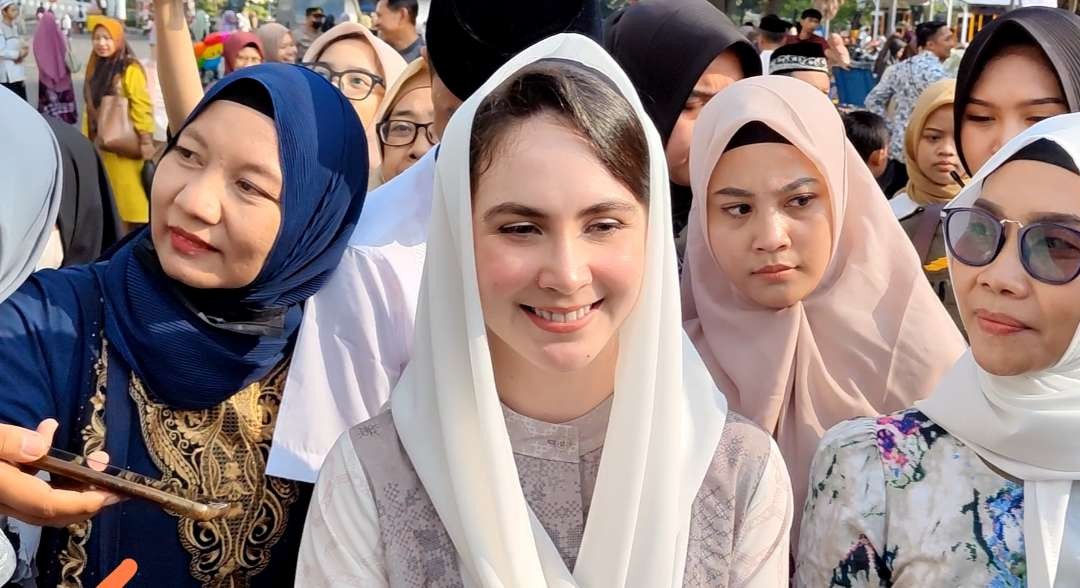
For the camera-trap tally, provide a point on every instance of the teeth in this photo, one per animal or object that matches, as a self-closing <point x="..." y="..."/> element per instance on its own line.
<point x="558" y="317"/>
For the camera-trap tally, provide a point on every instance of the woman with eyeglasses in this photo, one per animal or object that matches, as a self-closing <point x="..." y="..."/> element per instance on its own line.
<point x="973" y="486"/>
<point x="363" y="66"/>
<point x="405" y="123"/>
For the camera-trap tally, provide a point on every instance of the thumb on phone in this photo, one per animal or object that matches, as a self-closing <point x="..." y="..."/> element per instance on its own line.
<point x="19" y="445"/>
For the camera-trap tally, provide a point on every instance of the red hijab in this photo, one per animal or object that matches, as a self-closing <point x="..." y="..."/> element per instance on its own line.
<point x="237" y="41"/>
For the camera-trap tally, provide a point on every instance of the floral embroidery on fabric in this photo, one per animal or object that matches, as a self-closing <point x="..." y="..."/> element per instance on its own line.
<point x="860" y="561"/>
<point x="998" y="529"/>
<point x="904" y="440"/>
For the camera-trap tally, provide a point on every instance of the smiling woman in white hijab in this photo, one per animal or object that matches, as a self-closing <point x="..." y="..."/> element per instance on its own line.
<point x="30" y="199"/>
<point x="973" y="486"/>
<point x="548" y="333"/>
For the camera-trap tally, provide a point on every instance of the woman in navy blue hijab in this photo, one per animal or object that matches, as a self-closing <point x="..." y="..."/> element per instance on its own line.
<point x="170" y="356"/>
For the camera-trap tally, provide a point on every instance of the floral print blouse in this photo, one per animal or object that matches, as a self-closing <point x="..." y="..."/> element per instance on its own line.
<point x="897" y="501"/>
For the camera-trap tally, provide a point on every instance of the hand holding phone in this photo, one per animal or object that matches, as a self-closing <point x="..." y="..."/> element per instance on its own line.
<point x="31" y="499"/>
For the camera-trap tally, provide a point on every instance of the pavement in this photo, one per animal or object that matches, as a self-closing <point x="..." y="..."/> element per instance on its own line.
<point x="80" y="46"/>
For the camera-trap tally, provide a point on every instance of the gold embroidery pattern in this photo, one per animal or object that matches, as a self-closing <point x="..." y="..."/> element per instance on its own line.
<point x="73" y="557"/>
<point x="221" y="453"/>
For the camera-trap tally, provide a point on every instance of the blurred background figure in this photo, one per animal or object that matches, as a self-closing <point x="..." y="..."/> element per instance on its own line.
<point x="13" y="51"/>
<point x="56" y="93"/>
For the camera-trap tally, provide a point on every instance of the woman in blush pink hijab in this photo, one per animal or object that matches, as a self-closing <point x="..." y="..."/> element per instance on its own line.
<point x="800" y="290"/>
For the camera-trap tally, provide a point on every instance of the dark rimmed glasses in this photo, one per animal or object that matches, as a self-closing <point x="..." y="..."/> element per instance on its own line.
<point x="402" y="133"/>
<point x="356" y="84"/>
<point x="1049" y="252"/>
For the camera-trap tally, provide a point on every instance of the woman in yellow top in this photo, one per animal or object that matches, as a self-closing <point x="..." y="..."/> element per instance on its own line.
<point x="113" y="67"/>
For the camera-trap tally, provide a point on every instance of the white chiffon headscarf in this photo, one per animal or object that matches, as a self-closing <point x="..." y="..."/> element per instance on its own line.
<point x="1028" y="425"/>
<point x="666" y="417"/>
<point x="30" y="168"/>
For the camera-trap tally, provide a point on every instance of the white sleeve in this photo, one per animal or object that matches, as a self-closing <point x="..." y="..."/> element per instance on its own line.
<point x="762" y="549"/>
<point x="352" y="347"/>
<point x="341" y="544"/>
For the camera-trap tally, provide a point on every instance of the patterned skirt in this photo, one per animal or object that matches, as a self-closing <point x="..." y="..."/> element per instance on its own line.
<point x="59" y="104"/>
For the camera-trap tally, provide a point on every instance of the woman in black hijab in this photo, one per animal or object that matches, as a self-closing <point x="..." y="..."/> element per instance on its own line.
<point x="88" y="220"/>
<point x="1021" y="68"/>
<point x="679" y="54"/>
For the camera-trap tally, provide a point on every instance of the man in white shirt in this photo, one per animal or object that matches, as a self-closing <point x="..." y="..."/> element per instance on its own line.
<point x="13" y="50"/>
<point x="773" y="35"/>
<point x="356" y="337"/>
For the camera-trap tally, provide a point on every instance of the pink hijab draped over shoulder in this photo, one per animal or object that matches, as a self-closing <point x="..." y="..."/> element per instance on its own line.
<point x="872" y="338"/>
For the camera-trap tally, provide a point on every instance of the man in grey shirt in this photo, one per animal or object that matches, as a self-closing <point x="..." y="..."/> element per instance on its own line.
<point x="305" y="34"/>
<point x="395" y="22"/>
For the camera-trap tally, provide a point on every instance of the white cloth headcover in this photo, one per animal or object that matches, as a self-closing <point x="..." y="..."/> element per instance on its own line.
<point x="666" y="419"/>
<point x="31" y="169"/>
<point x="1026" y="425"/>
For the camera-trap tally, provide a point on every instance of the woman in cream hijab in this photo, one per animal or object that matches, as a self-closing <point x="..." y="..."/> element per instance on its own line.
<point x="975" y="485"/>
<point x="363" y="66"/>
<point x="550" y="283"/>
<point x="31" y="168"/>
<point x="932" y="160"/>
<point x="801" y="292"/>
<point x="405" y="123"/>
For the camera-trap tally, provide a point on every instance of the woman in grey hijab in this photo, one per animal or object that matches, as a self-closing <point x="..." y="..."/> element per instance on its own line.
<point x="30" y="170"/>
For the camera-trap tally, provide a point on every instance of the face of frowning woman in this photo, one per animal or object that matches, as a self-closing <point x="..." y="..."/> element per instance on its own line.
<point x="216" y="201"/>
<point x="1017" y="324"/>
<point x="770" y="222"/>
<point x="348" y="54"/>
<point x="104" y="45"/>
<point x="287" y="50"/>
<point x="936" y="150"/>
<point x="560" y="248"/>
<point x="1015" y="90"/>
<point x="414" y="106"/>
<point x="247" y="57"/>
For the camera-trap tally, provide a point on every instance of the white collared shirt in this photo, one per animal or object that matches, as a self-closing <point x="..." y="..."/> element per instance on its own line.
<point x="11" y="72"/>
<point x="356" y="336"/>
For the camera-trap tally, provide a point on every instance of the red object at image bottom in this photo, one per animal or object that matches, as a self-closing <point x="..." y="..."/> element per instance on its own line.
<point x="121" y="575"/>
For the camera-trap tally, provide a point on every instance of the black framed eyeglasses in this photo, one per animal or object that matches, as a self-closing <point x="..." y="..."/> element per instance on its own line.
<point x="357" y="84"/>
<point x="1049" y="252"/>
<point x="402" y="133"/>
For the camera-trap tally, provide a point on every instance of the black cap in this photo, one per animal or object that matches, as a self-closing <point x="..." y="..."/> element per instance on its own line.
<point x="468" y="40"/>
<point x="770" y="23"/>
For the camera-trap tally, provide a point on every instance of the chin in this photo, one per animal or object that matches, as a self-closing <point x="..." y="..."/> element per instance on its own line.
<point x="564" y="357"/>
<point x="1002" y="361"/>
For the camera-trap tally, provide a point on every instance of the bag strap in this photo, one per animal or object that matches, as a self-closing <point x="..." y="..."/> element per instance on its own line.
<point x="924" y="233"/>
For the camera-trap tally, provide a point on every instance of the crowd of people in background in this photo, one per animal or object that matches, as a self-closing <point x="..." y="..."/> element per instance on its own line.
<point x="543" y="298"/>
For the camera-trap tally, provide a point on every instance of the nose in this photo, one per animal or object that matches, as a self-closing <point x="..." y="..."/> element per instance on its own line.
<point x="1008" y="129"/>
<point x="1006" y="276"/>
<point x="420" y="146"/>
<point x="771" y="233"/>
<point x="200" y="198"/>
<point x="565" y="266"/>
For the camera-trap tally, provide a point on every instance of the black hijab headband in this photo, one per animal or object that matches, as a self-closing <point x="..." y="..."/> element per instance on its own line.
<point x="1054" y="31"/>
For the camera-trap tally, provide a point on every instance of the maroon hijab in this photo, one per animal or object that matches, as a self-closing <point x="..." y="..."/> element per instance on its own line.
<point x="49" y="51"/>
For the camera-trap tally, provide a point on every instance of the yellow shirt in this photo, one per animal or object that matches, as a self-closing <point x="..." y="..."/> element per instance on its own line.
<point x="125" y="174"/>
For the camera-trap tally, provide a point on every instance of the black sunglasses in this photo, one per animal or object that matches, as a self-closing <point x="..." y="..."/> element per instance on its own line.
<point x="1049" y="252"/>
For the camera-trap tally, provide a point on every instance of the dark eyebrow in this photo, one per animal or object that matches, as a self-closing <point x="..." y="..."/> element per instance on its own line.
<point x="513" y="208"/>
<point x="990" y="207"/>
<point x="734" y="192"/>
<point x="978" y="102"/>
<point x="799" y="183"/>
<point x="1055" y="217"/>
<point x="608" y="206"/>
<point x="1034" y="102"/>
<point x="702" y="94"/>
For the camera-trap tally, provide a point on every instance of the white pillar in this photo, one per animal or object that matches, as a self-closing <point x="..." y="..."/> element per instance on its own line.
<point x="948" y="18"/>
<point x="931" y="17"/>
<point x="892" y="18"/>
<point x="877" y="18"/>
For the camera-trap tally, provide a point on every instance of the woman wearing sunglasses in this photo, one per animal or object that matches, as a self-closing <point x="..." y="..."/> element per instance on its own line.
<point x="972" y="486"/>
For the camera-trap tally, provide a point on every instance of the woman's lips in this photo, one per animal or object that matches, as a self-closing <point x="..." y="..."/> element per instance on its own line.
<point x="561" y="320"/>
<point x="775" y="272"/>
<point x="997" y="324"/>
<point x="188" y="244"/>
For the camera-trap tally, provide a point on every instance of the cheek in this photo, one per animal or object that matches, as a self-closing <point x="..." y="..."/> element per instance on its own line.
<point x="678" y="145"/>
<point x="251" y="240"/>
<point x="977" y="144"/>
<point x="618" y="272"/>
<point x="1059" y="302"/>
<point x="812" y="239"/>
<point x="503" y="270"/>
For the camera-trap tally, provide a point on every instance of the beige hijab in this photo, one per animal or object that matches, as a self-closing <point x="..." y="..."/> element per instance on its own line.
<point x="271" y="35"/>
<point x="417" y="75"/>
<point x="871" y="339"/>
<point x="391" y="65"/>
<point x="920" y="189"/>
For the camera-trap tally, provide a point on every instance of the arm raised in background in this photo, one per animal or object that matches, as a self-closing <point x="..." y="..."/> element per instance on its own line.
<point x="178" y="72"/>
